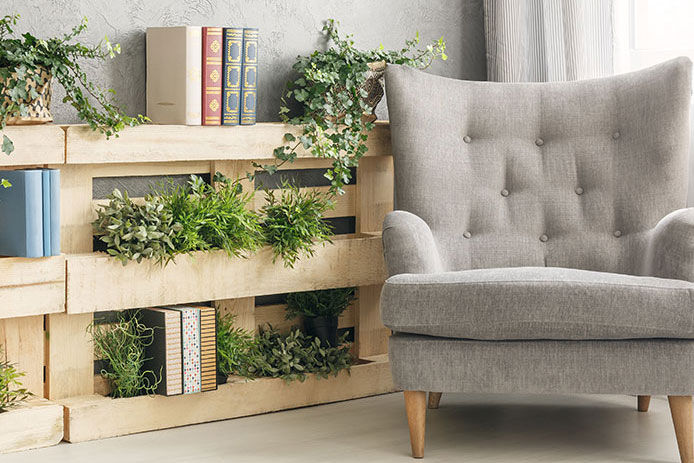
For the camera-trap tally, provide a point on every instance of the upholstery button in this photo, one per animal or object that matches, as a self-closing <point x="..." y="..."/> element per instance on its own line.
<point x="539" y="142"/>
<point x="579" y="190"/>
<point x="467" y="234"/>
<point x="616" y="135"/>
<point x="467" y="139"/>
<point x="543" y="238"/>
<point x="617" y="233"/>
<point x="504" y="192"/>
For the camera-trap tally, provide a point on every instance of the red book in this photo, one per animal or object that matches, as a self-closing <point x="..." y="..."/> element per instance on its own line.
<point x="212" y="49"/>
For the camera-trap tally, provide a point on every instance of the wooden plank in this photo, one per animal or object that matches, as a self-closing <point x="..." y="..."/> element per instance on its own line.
<point x="243" y="309"/>
<point x="76" y="212"/>
<point x="97" y="417"/>
<point x="22" y="341"/>
<point x="34" y="145"/>
<point x="70" y="356"/>
<point x="345" y="205"/>
<point x="32" y="286"/>
<point x="162" y="143"/>
<point x="34" y="424"/>
<point x="371" y="336"/>
<point x="142" y="169"/>
<point x="275" y="315"/>
<point x="213" y="275"/>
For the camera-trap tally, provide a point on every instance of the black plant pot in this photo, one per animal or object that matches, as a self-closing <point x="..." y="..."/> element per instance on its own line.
<point x="221" y="378"/>
<point x="323" y="328"/>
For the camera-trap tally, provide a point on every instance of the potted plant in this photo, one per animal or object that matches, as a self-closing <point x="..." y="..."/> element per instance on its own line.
<point x="28" y="65"/>
<point x="320" y="310"/>
<point x="338" y="90"/>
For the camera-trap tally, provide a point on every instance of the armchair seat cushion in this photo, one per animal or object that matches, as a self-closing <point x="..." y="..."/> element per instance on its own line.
<point x="522" y="303"/>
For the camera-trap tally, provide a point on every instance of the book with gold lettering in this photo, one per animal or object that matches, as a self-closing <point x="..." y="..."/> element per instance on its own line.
<point x="249" y="76"/>
<point x="212" y="51"/>
<point x="231" y="88"/>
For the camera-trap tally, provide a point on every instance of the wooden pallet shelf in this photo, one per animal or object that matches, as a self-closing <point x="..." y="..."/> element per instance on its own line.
<point x="98" y="417"/>
<point x="34" y="146"/>
<point x="33" y="424"/>
<point x="32" y="286"/>
<point x="204" y="276"/>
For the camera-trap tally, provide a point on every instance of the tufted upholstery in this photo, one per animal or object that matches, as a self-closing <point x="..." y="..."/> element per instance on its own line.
<point x="570" y="175"/>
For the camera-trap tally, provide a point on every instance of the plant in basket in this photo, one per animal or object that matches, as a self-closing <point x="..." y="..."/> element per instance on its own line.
<point x="320" y="310"/>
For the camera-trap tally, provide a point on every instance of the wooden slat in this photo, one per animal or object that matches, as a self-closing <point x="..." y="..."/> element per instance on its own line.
<point x="70" y="356"/>
<point x="97" y="417"/>
<point x="21" y="340"/>
<point x="243" y="309"/>
<point x="162" y="143"/>
<point x="275" y="315"/>
<point x="213" y="275"/>
<point x="345" y="205"/>
<point x="32" y="286"/>
<point x="141" y="169"/>
<point x="36" y="423"/>
<point x="34" y="145"/>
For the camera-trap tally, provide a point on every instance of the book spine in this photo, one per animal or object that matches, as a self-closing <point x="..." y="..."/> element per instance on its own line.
<point x="34" y="213"/>
<point x="208" y="349"/>
<point x="212" y="75"/>
<point x="249" y="76"/>
<point x="55" y="212"/>
<point x="193" y="75"/>
<point x="191" y="350"/>
<point x="174" y="360"/>
<point x="46" y="210"/>
<point x="231" y="89"/>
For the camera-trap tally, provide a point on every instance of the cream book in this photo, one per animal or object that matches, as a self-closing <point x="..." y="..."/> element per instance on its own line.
<point x="174" y="86"/>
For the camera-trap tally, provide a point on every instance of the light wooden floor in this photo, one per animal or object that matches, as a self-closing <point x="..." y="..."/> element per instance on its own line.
<point x="469" y="428"/>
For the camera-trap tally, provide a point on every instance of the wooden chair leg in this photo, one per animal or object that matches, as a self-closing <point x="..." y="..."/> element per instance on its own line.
<point x="416" y="406"/>
<point x="681" y="410"/>
<point x="643" y="402"/>
<point x="434" y="399"/>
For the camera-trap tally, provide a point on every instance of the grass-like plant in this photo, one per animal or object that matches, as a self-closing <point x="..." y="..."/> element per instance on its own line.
<point x="234" y="347"/>
<point x="293" y="222"/>
<point x="321" y="303"/>
<point x="122" y="347"/>
<point x="11" y="391"/>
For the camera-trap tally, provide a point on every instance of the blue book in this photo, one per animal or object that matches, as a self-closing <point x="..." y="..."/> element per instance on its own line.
<point x="55" y="212"/>
<point x="231" y="87"/>
<point x="249" y="76"/>
<point x="21" y="214"/>
<point x="46" y="207"/>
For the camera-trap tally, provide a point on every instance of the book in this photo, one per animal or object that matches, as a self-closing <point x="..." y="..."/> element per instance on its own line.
<point x="165" y="353"/>
<point x="190" y="342"/>
<point x="231" y="88"/>
<point x="55" y="211"/>
<point x="212" y="38"/>
<point x="46" y="210"/>
<point x="208" y="349"/>
<point x="21" y="214"/>
<point x="249" y="76"/>
<point x="174" y="85"/>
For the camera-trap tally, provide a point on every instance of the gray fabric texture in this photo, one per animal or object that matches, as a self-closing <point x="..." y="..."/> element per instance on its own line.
<point x="409" y="245"/>
<point x="671" y="254"/>
<point x="538" y="303"/>
<point x="648" y="367"/>
<point x="591" y="166"/>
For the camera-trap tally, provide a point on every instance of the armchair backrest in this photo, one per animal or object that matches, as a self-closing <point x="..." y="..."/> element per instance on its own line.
<point x="570" y="174"/>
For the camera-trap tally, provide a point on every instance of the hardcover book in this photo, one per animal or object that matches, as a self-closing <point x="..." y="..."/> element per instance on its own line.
<point x="55" y="211"/>
<point x="174" y="85"/>
<point x="231" y="89"/>
<point x="208" y="349"/>
<point x="165" y="353"/>
<point x="212" y="38"/>
<point x="249" y="76"/>
<point x="21" y="214"/>
<point x="190" y="342"/>
<point x="46" y="207"/>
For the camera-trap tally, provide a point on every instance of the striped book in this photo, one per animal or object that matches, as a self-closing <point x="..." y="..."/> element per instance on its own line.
<point x="212" y="75"/>
<point x="165" y="353"/>
<point x="208" y="349"/>
<point x="249" y="76"/>
<point x="190" y="342"/>
<point x="231" y="88"/>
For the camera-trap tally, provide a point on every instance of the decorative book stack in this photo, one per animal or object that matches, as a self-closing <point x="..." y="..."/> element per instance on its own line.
<point x="184" y="348"/>
<point x="202" y="75"/>
<point x="30" y="213"/>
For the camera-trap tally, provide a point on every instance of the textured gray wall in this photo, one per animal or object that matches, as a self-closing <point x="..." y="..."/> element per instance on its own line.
<point x="287" y="28"/>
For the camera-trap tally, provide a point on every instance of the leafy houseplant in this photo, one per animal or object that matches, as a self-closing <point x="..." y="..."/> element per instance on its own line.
<point x="122" y="347"/>
<point x="336" y="88"/>
<point x="321" y="310"/>
<point x="234" y="347"/>
<point x="11" y="392"/>
<point x="27" y="65"/>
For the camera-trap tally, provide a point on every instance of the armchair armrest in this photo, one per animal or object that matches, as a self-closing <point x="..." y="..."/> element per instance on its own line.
<point x="671" y="250"/>
<point x="408" y="245"/>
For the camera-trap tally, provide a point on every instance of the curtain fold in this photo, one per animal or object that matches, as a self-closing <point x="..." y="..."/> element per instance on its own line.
<point x="548" y="40"/>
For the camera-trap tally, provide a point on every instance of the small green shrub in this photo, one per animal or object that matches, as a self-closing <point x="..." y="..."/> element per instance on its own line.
<point x="234" y="347"/>
<point x="122" y="347"/>
<point x="11" y="391"/>
<point x="294" y="222"/>
<point x="324" y="303"/>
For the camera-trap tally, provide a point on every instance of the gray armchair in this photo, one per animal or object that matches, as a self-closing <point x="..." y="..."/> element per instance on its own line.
<point x="535" y="249"/>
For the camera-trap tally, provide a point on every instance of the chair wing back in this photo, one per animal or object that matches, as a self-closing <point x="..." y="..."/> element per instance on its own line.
<point x="571" y="174"/>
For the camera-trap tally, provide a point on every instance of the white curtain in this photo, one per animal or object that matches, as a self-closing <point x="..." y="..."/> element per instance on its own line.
<point x="548" y="40"/>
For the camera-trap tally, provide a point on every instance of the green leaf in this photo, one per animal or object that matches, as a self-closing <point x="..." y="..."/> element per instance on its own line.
<point x="7" y="145"/>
